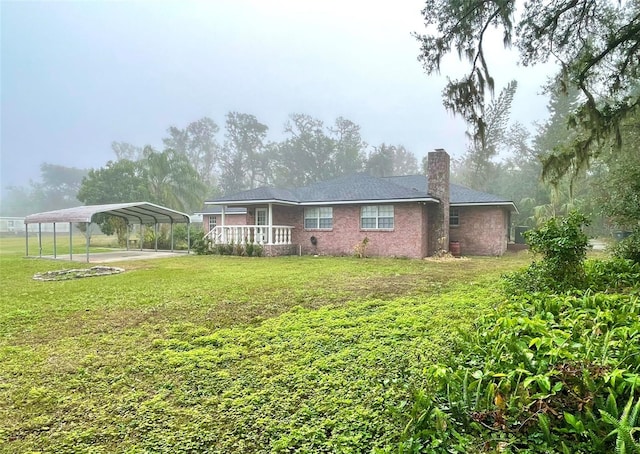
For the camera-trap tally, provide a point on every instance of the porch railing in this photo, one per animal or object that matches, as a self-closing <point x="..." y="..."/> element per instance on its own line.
<point x="243" y="234"/>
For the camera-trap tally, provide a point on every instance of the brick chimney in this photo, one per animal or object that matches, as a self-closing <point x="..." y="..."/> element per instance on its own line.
<point x="438" y="171"/>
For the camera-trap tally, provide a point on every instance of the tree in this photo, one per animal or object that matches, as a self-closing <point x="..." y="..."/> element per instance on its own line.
<point x="478" y="168"/>
<point x="307" y="155"/>
<point x="171" y="180"/>
<point x="198" y="142"/>
<point x="595" y="42"/>
<point x="56" y="189"/>
<point x="118" y="182"/>
<point x="618" y="185"/>
<point x="390" y="160"/>
<point x="349" y="154"/>
<point x="243" y="159"/>
<point x="124" y="150"/>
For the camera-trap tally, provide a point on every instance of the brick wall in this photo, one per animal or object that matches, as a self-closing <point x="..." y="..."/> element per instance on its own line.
<point x="407" y="239"/>
<point x="229" y="219"/>
<point x="482" y="231"/>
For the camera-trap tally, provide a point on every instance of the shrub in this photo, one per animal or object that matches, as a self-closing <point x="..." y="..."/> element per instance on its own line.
<point x="629" y="247"/>
<point x="546" y="373"/>
<point x="563" y="247"/>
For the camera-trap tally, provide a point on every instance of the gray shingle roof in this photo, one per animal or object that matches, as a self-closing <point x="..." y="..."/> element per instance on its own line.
<point x="361" y="187"/>
<point x="459" y="194"/>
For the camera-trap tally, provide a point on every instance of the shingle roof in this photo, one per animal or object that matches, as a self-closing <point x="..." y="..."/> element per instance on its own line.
<point x="362" y="187"/>
<point x="459" y="194"/>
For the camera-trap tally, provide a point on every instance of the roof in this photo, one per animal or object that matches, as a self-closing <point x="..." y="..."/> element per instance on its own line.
<point x="362" y="188"/>
<point x="135" y="212"/>
<point x="459" y="195"/>
<point x="357" y="188"/>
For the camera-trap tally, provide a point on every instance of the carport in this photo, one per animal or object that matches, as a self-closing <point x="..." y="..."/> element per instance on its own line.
<point x="142" y="213"/>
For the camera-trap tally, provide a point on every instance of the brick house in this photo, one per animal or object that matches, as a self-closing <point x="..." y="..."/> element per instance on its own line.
<point x="407" y="216"/>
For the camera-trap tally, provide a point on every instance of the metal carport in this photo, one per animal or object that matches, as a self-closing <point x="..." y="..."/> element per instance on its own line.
<point x="143" y="213"/>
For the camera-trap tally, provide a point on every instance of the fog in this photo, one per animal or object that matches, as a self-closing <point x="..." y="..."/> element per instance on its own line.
<point x="78" y="75"/>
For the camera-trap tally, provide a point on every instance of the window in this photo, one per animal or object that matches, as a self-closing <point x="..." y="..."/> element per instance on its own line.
<point x="376" y="217"/>
<point x="454" y="217"/>
<point x="318" y="218"/>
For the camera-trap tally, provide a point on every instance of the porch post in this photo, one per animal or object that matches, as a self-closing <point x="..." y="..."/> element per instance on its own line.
<point x="222" y="219"/>
<point x="270" y="225"/>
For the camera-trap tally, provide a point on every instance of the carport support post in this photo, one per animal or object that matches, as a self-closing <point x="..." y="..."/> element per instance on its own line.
<point x="26" y="238"/>
<point x="171" y="235"/>
<point x="40" y="238"/>
<point x="155" y="230"/>
<point x="88" y="239"/>
<point x="188" y="238"/>
<point x="54" y="241"/>
<point x="128" y="234"/>
<point x="70" y="241"/>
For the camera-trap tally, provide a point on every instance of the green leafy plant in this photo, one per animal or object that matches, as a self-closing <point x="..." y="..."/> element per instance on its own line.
<point x="629" y="247"/>
<point x="563" y="247"/>
<point x="625" y="426"/>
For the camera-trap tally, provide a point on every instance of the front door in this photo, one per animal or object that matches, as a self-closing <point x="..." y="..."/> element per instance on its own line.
<point x="261" y="220"/>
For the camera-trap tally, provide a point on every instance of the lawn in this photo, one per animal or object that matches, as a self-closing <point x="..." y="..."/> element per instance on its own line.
<point x="227" y="354"/>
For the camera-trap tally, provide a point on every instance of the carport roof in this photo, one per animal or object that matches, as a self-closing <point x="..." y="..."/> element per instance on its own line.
<point x="135" y="212"/>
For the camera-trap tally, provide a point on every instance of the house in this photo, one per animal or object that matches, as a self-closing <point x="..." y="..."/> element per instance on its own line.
<point x="407" y="216"/>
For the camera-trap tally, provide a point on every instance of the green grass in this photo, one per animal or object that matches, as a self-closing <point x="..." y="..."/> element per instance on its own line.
<point x="226" y="354"/>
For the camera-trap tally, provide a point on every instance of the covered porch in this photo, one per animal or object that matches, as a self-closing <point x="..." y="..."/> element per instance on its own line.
<point x="258" y="227"/>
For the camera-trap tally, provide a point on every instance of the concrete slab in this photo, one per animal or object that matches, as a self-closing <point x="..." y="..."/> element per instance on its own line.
<point x="115" y="256"/>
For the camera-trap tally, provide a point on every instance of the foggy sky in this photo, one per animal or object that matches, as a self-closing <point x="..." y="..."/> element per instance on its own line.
<point x="78" y="75"/>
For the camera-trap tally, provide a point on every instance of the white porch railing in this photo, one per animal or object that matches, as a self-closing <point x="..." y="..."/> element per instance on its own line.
<point x="243" y="234"/>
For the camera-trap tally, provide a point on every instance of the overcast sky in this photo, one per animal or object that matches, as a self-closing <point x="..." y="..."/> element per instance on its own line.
<point x="77" y="75"/>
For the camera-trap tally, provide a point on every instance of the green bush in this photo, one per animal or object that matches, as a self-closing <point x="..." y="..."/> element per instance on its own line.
<point x="538" y="376"/>
<point x="629" y="247"/>
<point x="563" y="247"/>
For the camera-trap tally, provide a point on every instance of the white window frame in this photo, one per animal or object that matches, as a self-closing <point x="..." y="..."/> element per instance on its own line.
<point x="454" y="215"/>
<point x="380" y="215"/>
<point x="319" y="218"/>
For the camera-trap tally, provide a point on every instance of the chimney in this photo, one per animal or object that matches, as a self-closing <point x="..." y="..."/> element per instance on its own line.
<point x="438" y="171"/>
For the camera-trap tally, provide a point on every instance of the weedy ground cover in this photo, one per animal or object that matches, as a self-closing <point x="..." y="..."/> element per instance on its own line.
<point x="227" y="354"/>
<point x="556" y="369"/>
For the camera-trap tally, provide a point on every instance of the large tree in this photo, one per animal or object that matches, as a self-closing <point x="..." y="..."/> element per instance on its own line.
<point x="199" y="144"/>
<point x="243" y="159"/>
<point x="171" y="180"/>
<point x="391" y="160"/>
<point x="479" y="167"/>
<point x="56" y="189"/>
<point x="595" y="42"/>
